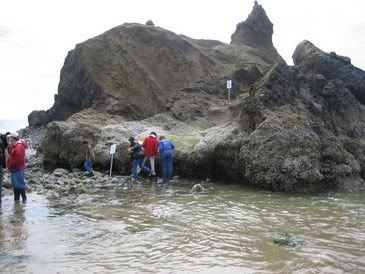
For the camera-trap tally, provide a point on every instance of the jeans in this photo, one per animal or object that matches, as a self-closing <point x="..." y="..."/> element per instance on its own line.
<point x="167" y="159"/>
<point x="138" y="167"/>
<point x="18" y="179"/>
<point x="1" y="181"/>
<point x="152" y="164"/>
<point x="18" y="192"/>
<point x="88" y="165"/>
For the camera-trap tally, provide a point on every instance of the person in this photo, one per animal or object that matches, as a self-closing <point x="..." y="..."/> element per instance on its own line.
<point x="167" y="157"/>
<point x="3" y="146"/>
<point x="137" y="156"/>
<point x="16" y="165"/>
<point x="89" y="156"/>
<point x="150" y="145"/>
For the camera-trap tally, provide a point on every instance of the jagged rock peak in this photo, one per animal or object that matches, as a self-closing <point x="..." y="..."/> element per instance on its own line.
<point x="256" y="31"/>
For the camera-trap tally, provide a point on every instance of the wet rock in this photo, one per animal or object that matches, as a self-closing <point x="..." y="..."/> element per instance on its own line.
<point x="83" y="198"/>
<point x="286" y="239"/>
<point x="197" y="188"/>
<point x="59" y="172"/>
<point x="115" y="181"/>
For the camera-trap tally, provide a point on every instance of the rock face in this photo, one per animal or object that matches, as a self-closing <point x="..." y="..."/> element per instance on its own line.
<point x="311" y="59"/>
<point x="256" y="32"/>
<point x="131" y="70"/>
<point x="293" y="129"/>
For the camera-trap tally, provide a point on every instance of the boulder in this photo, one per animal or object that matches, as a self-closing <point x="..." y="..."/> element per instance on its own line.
<point x="59" y="172"/>
<point x="150" y="23"/>
<point x="38" y="118"/>
<point x="310" y="59"/>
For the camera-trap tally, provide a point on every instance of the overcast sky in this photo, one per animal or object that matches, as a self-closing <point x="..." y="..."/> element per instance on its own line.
<point x="36" y="35"/>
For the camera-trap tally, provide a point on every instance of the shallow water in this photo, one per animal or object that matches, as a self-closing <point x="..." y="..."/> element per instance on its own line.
<point x="148" y="229"/>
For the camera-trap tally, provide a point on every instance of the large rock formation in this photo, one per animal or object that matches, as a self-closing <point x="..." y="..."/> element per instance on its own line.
<point x="293" y="129"/>
<point x="131" y="70"/>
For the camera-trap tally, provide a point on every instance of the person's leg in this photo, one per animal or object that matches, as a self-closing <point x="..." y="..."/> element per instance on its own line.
<point x="135" y="168"/>
<point x="144" y="160"/>
<point x="170" y="167"/>
<point x="91" y="172"/>
<point x="163" y="165"/>
<point x="16" y="194"/>
<point x="23" y="194"/>
<point x="88" y="165"/>
<point x="15" y="189"/>
<point x="144" y="168"/>
<point x="152" y="162"/>
<point x="1" y="182"/>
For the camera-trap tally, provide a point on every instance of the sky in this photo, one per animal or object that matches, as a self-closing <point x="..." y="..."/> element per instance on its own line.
<point x="35" y="35"/>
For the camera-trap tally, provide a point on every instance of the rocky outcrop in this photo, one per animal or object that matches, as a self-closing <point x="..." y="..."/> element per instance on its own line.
<point x="305" y="134"/>
<point x="38" y="119"/>
<point x="131" y="70"/>
<point x="289" y="128"/>
<point x="311" y="59"/>
<point x="256" y="32"/>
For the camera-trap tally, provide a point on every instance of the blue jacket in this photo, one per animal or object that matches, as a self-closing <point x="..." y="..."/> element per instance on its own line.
<point x="166" y="145"/>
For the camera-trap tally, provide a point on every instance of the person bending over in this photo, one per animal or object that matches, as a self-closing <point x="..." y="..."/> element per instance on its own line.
<point x="150" y="145"/>
<point x="167" y="158"/>
<point x="137" y="157"/>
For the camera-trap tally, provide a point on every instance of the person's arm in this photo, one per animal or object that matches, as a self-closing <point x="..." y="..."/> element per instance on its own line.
<point x="14" y="159"/>
<point x="172" y="145"/>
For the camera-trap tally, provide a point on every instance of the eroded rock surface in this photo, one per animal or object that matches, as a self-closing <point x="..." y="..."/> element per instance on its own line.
<point x="289" y="128"/>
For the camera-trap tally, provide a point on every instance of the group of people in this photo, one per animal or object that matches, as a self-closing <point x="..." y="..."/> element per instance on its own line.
<point x="151" y="148"/>
<point x="12" y="160"/>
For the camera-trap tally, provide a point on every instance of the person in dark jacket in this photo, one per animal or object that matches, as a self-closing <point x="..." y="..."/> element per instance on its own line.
<point x="137" y="156"/>
<point x="16" y="166"/>
<point x="3" y="146"/>
<point x="166" y="148"/>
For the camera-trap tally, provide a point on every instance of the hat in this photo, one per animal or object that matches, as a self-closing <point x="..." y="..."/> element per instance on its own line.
<point x="153" y="134"/>
<point x="14" y="135"/>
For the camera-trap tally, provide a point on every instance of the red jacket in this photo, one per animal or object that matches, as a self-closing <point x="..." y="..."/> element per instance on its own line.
<point x="150" y="146"/>
<point x="17" y="156"/>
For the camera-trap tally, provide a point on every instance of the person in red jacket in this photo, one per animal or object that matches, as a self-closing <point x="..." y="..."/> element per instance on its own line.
<point x="150" y="145"/>
<point x="16" y="166"/>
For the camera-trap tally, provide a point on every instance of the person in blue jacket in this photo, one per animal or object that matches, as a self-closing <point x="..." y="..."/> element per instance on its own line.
<point x="166" y="148"/>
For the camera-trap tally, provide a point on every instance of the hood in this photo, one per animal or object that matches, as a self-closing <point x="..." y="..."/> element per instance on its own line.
<point x="22" y="142"/>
